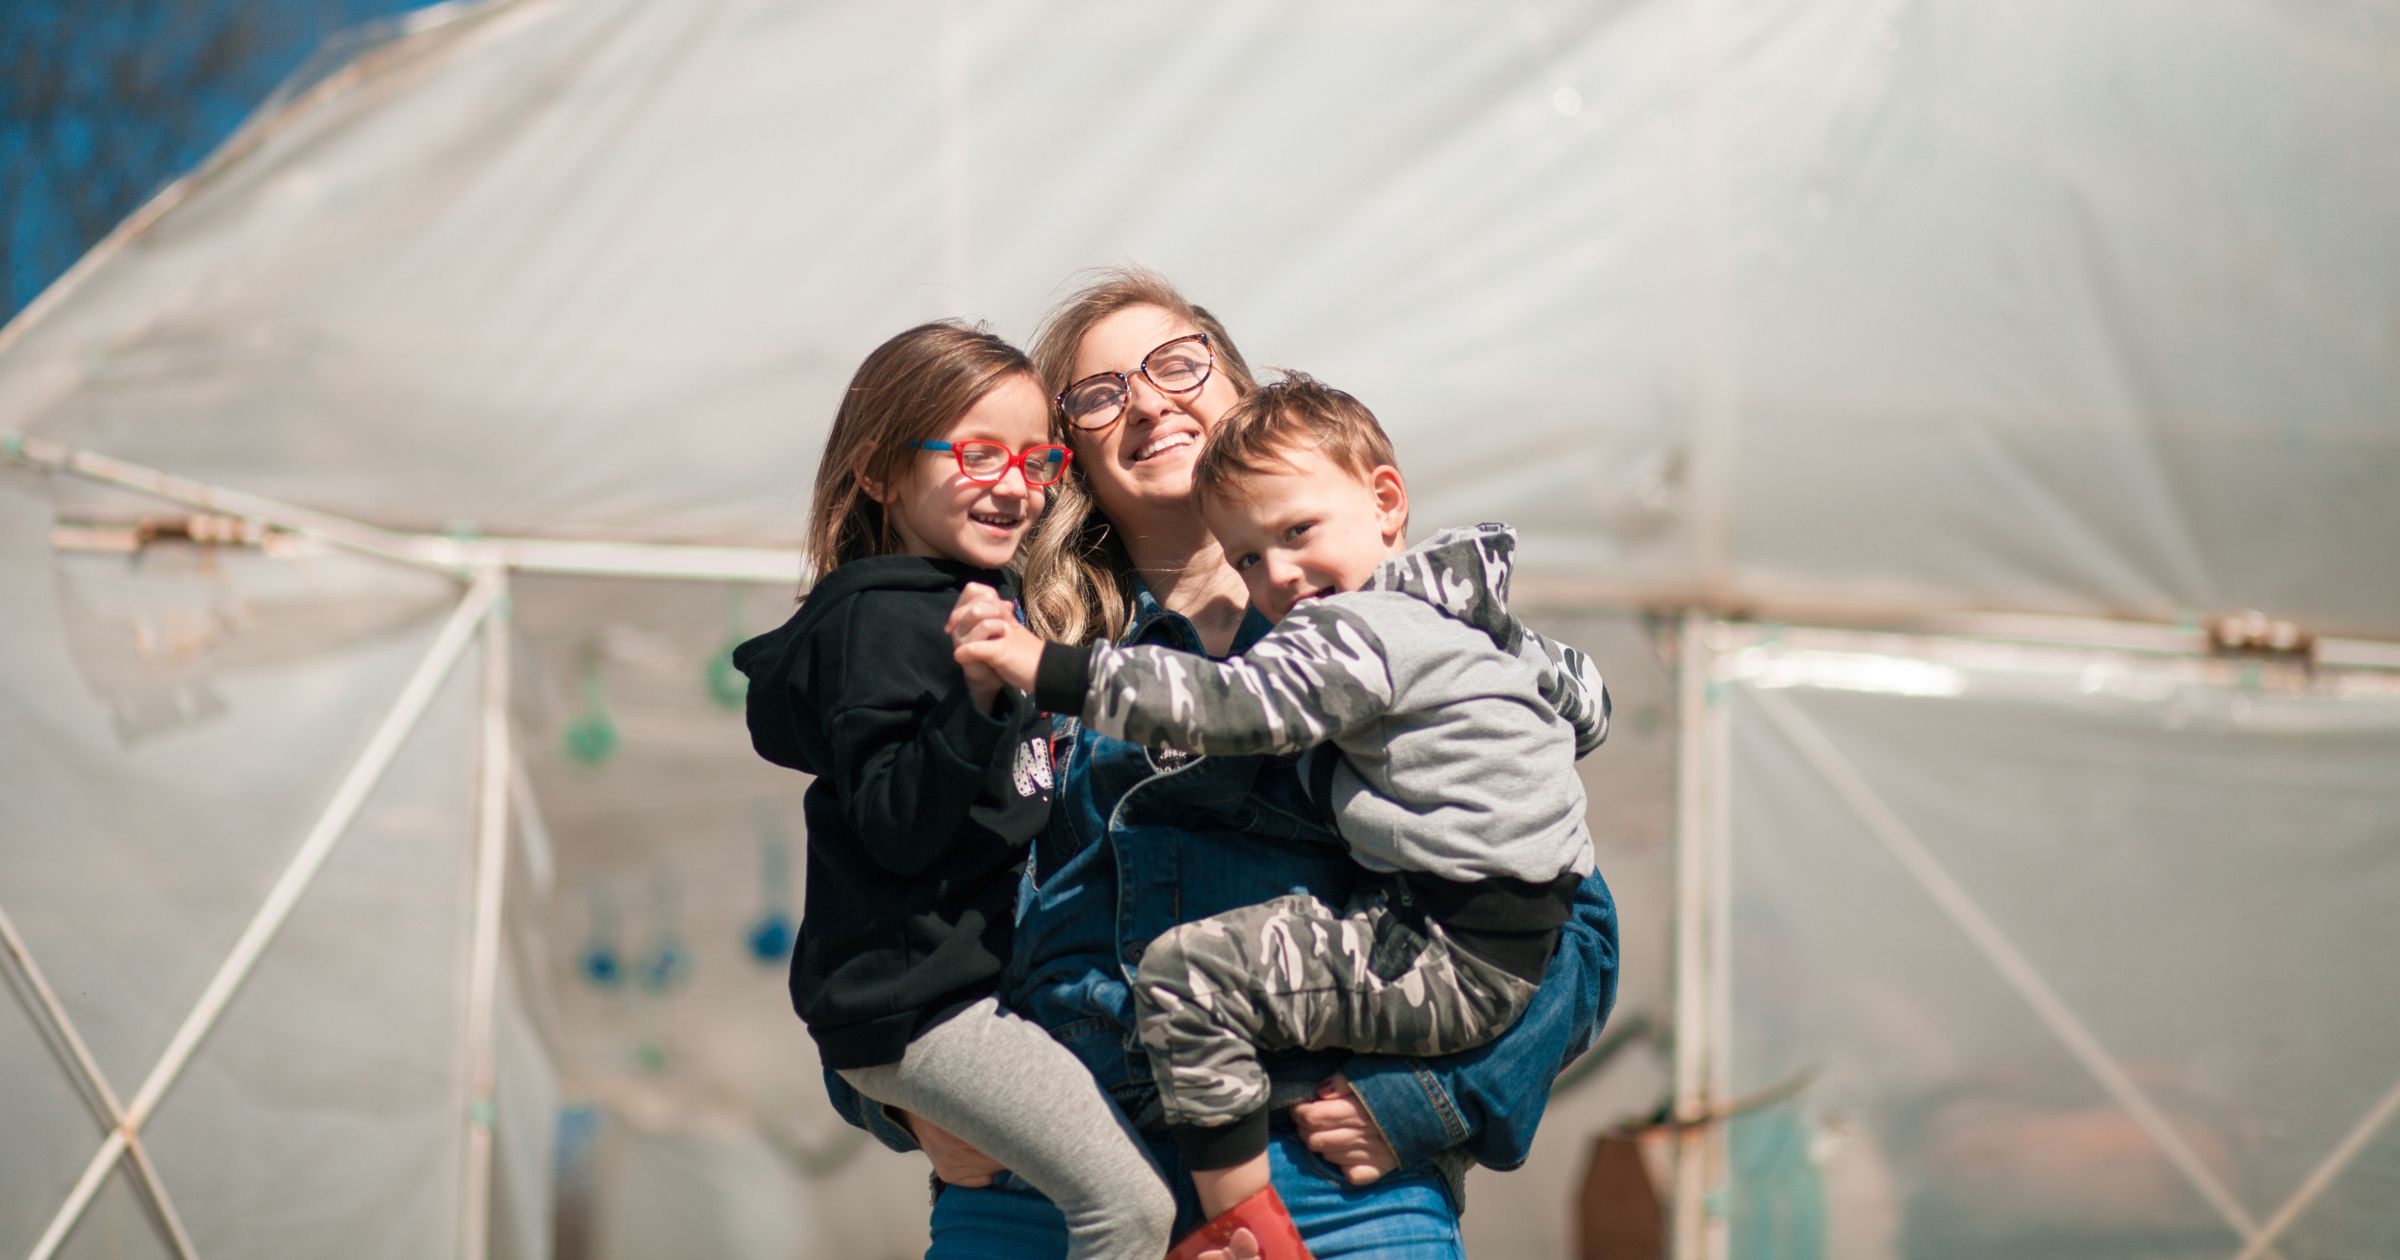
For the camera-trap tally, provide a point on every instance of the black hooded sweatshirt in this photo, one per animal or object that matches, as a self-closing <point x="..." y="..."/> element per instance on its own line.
<point x="921" y="809"/>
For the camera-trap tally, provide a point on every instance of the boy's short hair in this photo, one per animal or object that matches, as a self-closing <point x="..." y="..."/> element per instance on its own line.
<point x="1298" y="412"/>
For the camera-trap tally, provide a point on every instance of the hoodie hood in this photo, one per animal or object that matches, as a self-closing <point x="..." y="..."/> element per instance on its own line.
<point x="1464" y="572"/>
<point x="772" y="660"/>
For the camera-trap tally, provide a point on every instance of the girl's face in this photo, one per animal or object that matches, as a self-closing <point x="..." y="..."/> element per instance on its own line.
<point x="938" y="512"/>
<point x="1144" y="459"/>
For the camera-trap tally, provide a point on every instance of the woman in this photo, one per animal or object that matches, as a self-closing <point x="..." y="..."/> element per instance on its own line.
<point x="1138" y="842"/>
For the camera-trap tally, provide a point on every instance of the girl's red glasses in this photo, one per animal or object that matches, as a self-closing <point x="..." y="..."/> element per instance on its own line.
<point x="985" y="462"/>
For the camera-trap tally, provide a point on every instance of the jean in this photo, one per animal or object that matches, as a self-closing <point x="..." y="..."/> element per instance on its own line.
<point x="1406" y="1216"/>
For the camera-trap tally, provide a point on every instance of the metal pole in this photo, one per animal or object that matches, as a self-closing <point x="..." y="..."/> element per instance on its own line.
<point x="80" y="1059"/>
<point x="705" y="562"/>
<point x="418" y="550"/>
<point x="1694" y="1088"/>
<point x="2014" y="967"/>
<point x="491" y="874"/>
<point x="2322" y="1176"/>
<point x="381" y="748"/>
<point x="653" y="560"/>
<point x="1716" y="835"/>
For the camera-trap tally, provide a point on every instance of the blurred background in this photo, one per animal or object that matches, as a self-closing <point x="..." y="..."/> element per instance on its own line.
<point x="1965" y="437"/>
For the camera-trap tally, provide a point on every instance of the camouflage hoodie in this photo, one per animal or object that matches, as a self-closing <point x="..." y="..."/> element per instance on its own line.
<point x="1458" y="731"/>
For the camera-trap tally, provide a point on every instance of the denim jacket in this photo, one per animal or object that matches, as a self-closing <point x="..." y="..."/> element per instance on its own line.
<point x="1140" y="841"/>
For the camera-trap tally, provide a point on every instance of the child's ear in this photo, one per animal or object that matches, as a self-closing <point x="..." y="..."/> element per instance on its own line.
<point x="872" y="484"/>
<point x="1391" y="502"/>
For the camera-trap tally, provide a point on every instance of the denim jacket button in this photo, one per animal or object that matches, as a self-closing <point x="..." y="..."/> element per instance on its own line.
<point x="1133" y="953"/>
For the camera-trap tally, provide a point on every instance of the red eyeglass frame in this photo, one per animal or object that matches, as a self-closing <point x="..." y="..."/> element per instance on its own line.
<point x="1016" y="459"/>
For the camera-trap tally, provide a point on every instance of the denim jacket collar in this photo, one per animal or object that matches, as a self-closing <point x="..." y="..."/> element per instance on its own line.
<point x="1154" y="622"/>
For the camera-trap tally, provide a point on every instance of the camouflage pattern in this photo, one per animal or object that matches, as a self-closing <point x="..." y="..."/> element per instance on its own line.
<point x="1464" y="572"/>
<point x="1321" y="673"/>
<point x="1293" y="973"/>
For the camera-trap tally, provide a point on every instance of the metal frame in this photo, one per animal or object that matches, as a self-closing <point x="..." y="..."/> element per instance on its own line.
<point x="332" y="822"/>
<point x="1710" y="654"/>
<point x="1699" y="1163"/>
<point x="502" y="794"/>
<point x="1705" y="636"/>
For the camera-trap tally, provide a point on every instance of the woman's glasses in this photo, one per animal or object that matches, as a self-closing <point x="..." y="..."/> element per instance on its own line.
<point x="1178" y="367"/>
<point x="986" y="462"/>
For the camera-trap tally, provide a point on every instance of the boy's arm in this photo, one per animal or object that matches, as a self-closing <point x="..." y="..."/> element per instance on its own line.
<point x="1319" y="674"/>
<point x="1572" y="686"/>
<point x="1488" y="1100"/>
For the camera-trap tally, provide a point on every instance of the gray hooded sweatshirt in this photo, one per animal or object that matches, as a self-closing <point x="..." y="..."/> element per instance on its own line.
<point x="1458" y="728"/>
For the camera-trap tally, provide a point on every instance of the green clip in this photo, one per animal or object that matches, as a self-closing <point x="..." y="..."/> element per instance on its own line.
<point x="481" y="1113"/>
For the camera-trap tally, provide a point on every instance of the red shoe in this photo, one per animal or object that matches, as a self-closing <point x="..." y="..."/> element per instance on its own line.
<point x="1264" y="1215"/>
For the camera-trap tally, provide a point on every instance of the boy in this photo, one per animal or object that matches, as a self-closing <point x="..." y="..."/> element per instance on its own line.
<point x="1454" y="783"/>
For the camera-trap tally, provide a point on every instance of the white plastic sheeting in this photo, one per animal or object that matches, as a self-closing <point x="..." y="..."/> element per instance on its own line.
<point x="2071" y="307"/>
<point x="1868" y="307"/>
<point x="173" y="727"/>
<point x="2077" y="957"/>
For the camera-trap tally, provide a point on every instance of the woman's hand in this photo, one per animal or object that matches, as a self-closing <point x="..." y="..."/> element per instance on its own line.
<point x="954" y="1161"/>
<point x="1338" y="1127"/>
<point x="984" y="628"/>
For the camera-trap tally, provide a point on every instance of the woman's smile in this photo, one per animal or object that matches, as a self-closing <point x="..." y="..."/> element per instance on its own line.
<point x="1164" y="443"/>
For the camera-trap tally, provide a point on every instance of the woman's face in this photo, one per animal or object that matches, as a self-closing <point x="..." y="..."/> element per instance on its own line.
<point x="1145" y="459"/>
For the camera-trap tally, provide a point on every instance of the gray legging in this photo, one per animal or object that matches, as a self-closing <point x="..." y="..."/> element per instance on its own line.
<point x="997" y="1080"/>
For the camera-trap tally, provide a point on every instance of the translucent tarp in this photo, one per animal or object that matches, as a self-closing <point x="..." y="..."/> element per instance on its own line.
<point x="174" y="725"/>
<point x="2065" y="307"/>
<point x="2065" y="956"/>
<point x="1867" y="306"/>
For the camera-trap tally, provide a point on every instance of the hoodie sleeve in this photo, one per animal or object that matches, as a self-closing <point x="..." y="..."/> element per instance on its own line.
<point x="1318" y="675"/>
<point x="1571" y="685"/>
<point x="910" y="749"/>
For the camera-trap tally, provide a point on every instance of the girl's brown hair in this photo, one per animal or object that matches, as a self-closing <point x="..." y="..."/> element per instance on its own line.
<point x="911" y="387"/>
<point x="1078" y="579"/>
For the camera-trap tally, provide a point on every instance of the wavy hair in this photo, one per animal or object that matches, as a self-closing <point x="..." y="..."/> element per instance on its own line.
<point x="1078" y="578"/>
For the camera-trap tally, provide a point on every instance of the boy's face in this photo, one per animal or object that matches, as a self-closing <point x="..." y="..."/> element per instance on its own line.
<point x="1312" y="529"/>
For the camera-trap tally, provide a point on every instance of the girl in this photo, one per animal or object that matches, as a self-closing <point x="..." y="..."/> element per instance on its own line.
<point x="928" y="783"/>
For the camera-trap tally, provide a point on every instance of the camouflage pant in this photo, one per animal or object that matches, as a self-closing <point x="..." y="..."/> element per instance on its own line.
<point x="1294" y="973"/>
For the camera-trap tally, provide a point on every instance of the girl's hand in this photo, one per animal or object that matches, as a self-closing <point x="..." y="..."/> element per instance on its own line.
<point x="983" y="686"/>
<point x="1338" y="1127"/>
<point x="984" y="628"/>
<point x="977" y="604"/>
<point x="1004" y="647"/>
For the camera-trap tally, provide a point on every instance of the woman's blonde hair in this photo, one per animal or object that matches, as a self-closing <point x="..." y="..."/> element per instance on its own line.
<point x="911" y="387"/>
<point x="1078" y="579"/>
